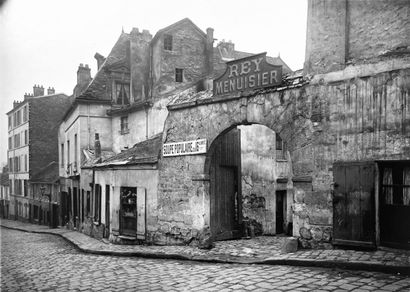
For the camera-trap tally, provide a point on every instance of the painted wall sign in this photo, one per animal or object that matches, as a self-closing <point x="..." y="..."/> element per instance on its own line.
<point x="248" y="74"/>
<point x="184" y="148"/>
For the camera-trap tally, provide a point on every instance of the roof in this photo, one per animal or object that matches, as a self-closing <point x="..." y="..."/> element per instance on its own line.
<point x="185" y="21"/>
<point x="191" y="97"/>
<point x="96" y="89"/>
<point x="48" y="174"/>
<point x="89" y="159"/>
<point x="34" y="98"/>
<point x="145" y="152"/>
<point x="4" y="179"/>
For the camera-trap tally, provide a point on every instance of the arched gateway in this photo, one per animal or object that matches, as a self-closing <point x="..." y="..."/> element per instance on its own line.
<point x="186" y="196"/>
<point x="347" y="138"/>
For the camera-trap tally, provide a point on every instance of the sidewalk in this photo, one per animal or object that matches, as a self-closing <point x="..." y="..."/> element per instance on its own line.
<point x="259" y="250"/>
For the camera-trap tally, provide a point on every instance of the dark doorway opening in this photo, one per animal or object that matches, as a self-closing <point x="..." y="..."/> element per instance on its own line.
<point x="128" y="218"/>
<point x="394" y="202"/>
<point x="280" y="211"/>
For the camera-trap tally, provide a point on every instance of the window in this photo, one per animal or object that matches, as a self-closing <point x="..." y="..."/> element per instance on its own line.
<point x="17" y="140"/>
<point x="168" y="42"/>
<point x="396" y="185"/>
<point x="25" y="163"/>
<point x="124" y="125"/>
<point x="97" y="204"/>
<point x="10" y="122"/>
<point x="122" y="92"/>
<point x="179" y="75"/>
<point x="10" y="143"/>
<point x="16" y="164"/>
<point x="25" y="137"/>
<point x="68" y="152"/>
<point x="75" y="149"/>
<point x="128" y="214"/>
<point x="25" y="187"/>
<point x="281" y="148"/>
<point x="62" y="155"/>
<point x="24" y="114"/>
<point x="11" y="164"/>
<point x="18" y="118"/>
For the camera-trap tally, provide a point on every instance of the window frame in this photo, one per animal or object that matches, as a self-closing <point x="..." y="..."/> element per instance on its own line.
<point x="179" y="75"/>
<point x="168" y="42"/>
<point x="124" y="125"/>
<point x="123" y="89"/>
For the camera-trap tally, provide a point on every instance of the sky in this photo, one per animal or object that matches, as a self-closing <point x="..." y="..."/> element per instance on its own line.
<point x="43" y="41"/>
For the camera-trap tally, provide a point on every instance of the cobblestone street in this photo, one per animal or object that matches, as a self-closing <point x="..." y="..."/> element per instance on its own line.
<point x="32" y="262"/>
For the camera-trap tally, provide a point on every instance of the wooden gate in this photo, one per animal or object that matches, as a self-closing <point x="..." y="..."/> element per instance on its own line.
<point x="354" y="204"/>
<point x="225" y="186"/>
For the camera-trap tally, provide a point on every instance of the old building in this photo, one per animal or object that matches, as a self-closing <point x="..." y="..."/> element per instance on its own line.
<point x="32" y="143"/>
<point x="346" y="124"/>
<point x="112" y="133"/>
<point x="4" y="193"/>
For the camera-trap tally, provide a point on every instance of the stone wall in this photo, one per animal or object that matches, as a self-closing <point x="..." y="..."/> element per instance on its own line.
<point x="348" y="31"/>
<point x="260" y="170"/>
<point x="188" y="53"/>
<point x="334" y="118"/>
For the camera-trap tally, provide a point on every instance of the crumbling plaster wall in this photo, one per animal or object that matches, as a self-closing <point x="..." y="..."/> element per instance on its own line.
<point x="260" y="170"/>
<point x="333" y="118"/>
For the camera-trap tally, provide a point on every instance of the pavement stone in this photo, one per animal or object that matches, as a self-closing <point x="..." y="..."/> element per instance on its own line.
<point x="259" y="250"/>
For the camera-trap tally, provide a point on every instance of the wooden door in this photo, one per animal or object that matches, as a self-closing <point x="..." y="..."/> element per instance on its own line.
<point x="353" y="204"/>
<point x="225" y="187"/>
<point x="107" y="211"/>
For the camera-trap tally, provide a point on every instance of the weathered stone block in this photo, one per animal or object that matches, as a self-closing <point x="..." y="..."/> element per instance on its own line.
<point x="305" y="233"/>
<point x="290" y="244"/>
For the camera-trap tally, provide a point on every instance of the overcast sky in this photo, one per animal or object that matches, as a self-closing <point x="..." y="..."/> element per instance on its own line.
<point x="44" y="41"/>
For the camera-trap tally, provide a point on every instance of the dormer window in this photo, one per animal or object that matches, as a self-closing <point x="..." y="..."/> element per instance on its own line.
<point x="179" y="75"/>
<point x="122" y="92"/>
<point x="168" y="42"/>
<point x="124" y="125"/>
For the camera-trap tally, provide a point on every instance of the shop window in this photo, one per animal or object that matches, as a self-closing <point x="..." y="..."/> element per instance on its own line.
<point x="122" y="93"/>
<point x="179" y="75"/>
<point x="168" y="42"/>
<point x="128" y="224"/>
<point x="124" y="125"/>
<point x="396" y="185"/>
<point x="97" y="204"/>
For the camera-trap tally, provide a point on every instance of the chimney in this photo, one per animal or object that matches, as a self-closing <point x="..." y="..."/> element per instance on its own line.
<point x="97" y="146"/>
<point x="83" y="79"/>
<point x="38" y="90"/>
<point x="51" y="91"/>
<point x="140" y="66"/>
<point x="15" y="104"/>
<point x="210" y="49"/>
<point x="100" y="60"/>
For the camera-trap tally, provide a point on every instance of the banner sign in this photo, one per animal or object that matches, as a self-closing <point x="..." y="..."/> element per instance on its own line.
<point x="248" y="73"/>
<point x="184" y="148"/>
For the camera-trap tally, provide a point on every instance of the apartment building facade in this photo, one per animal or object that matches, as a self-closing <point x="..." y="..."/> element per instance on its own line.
<point x="32" y="143"/>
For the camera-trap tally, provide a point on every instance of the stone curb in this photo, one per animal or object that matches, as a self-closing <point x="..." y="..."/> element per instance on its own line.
<point x="355" y="265"/>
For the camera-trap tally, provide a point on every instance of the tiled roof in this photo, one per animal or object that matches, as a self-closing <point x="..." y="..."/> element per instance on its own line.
<point x="143" y="152"/>
<point x="191" y="97"/>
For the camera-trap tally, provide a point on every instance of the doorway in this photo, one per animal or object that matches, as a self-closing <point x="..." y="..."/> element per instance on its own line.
<point x="225" y="187"/>
<point x="280" y="211"/>
<point x="107" y="212"/>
